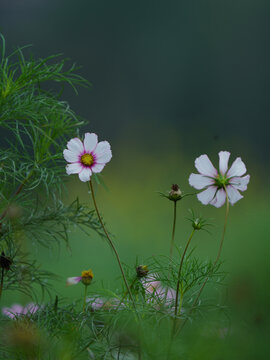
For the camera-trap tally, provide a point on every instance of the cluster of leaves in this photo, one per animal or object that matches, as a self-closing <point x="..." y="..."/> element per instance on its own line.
<point x="35" y="123"/>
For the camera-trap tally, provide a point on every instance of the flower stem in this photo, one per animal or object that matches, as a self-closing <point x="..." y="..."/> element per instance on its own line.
<point x="111" y="244"/>
<point x="217" y="258"/>
<point x="178" y="283"/>
<point x="173" y="229"/>
<point x="2" y="282"/>
<point x="84" y="298"/>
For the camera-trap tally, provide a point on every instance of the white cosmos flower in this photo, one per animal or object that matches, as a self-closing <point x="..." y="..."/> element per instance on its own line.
<point x="87" y="157"/>
<point x="214" y="182"/>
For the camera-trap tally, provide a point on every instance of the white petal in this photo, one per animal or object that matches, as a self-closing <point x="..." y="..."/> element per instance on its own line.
<point x="240" y="183"/>
<point x="207" y="195"/>
<point x="75" y="145"/>
<point x="103" y="152"/>
<point x="199" y="181"/>
<point x="238" y="168"/>
<point x="90" y="142"/>
<point x="233" y="194"/>
<point x="74" y="168"/>
<point x="85" y="174"/>
<point x="97" y="168"/>
<point x="223" y="161"/>
<point x="70" y="156"/>
<point x="219" y="199"/>
<point x="205" y="167"/>
<point x="73" y="280"/>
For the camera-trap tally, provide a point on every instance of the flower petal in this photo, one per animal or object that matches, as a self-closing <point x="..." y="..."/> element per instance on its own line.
<point x="233" y="194"/>
<point x="205" y="167"/>
<point x="75" y="145"/>
<point x="90" y="142"/>
<point x="219" y="199"/>
<point x="199" y="181"/>
<point x="223" y="161"/>
<point x="96" y="168"/>
<point x="240" y="183"/>
<point x="207" y="195"/>
<point x="103" y="152"/>
<point x="238" y="168"/>
<point x="74" y="168"/>
<point x="73" y="280"/>
<point x="71" y="156"/>
<point x="85" y="174"/>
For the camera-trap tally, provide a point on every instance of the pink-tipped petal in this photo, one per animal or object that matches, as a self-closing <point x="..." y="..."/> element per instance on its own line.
<point x="31" y="308"/>
<point x="233" y="194"/>
<point x="238" y="168"/>
<point x="199" y="181"/>
<point x="207" y="195"/>
<point x="74" y="168"/>
<point x="71" y="156"/>
<point x="205" y="167"/>
<point x="73" y="280"/>
<point x="90" y="142"/>
<point x="240" y="183"/>
<point x="85" y="174"/>
<point x="103" y="152"/>
<point x="219" y="199"/>
<point x="96" y="168"/>
<point x="76" y="146"/>
<point x="223" y="161"/>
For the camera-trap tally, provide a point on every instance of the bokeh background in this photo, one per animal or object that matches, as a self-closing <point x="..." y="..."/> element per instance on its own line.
<point x="171" y="80"/>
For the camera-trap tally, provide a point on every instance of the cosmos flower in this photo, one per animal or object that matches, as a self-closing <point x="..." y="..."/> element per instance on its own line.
<point x="87" y="157"/>
<point x="17" y="310"/>
<point x="156" y="292"/>
<point x="98" y="303"/>
<point x="85" y="278"/>
<point x="215" y="182"/>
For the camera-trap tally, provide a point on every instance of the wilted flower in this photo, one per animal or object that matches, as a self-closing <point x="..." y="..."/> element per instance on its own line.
<point x="142" y="270"/>
<point x="17" y="310"/>
<point x="85" y="278"/>
<point x="215" y="182"/>
<point x="87" y="157"/>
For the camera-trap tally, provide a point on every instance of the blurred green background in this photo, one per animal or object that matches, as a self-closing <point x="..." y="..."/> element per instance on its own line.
<point x="171" y="80"/>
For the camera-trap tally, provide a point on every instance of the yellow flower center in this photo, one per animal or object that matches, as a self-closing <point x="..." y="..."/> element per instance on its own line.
<point x="87" y="276"/>
<point x="87" y="159"/>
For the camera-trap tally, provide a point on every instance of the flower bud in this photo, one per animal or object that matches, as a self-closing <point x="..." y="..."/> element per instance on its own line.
<point x="197" y="224"/>
<point x="142" y="270"/>
<point x="87" y="276"/>
<point x="175" y="194"/>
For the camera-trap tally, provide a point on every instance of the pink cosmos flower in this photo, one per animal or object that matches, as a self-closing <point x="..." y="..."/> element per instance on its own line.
<point x="87" y="157"/>
<point x="155" y="291"/>
<point x="85" y="278"/>
<point x="214" y="182"/>
<point x="17" y="310"/>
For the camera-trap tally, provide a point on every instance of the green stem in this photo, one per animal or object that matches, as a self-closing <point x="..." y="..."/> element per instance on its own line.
<point x="173" y="229"/>
<point x="125" y="294"/>
<point x="111" y="244"/>
<point x="217" y="258"/>
<point x="84" y="298"/>
<point x="180" y="270"/>
<point x="2" y="282"/>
